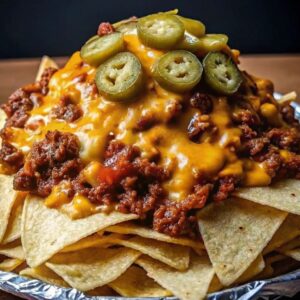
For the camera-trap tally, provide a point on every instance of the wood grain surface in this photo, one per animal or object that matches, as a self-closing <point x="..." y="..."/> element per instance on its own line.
<point x="283" y="70"/>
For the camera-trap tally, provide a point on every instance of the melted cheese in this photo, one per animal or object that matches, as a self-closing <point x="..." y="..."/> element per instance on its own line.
<point x="186" y="160"/>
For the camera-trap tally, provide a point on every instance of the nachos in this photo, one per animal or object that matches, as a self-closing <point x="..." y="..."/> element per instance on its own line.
<point x="149" y="165"/>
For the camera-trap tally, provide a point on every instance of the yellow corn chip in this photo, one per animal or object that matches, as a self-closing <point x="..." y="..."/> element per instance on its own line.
<point x="46" y="231"/>
<point x="3" y="118"/>
<point x="289" y="229"/>
<point x="191" y="284"/>
<point x="13" y="231"/>
<point x="94" y="240"/>
<point x="293" y="244"/>
<point x="101" y="291"/>
<point x="255" y="268"/>
<point x="130" y="228"/>
<point x="284" y="195"/>
<point x="46" y="62"/>
<point x="135" y="283"/>
<point x="93" y="267"/>
<point x="44" y="274"/>
<point x="10" y="264"/>
<point x="7" y="200"/>
<point x="235" y="232"/>
<point x="294" y="253"/>
<point x="13" y="250"/>
<point x="175" y="256"/>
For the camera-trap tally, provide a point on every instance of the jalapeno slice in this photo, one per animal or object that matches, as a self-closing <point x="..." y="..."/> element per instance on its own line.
<point x="98" y="49"/>
<point x="194" y="27"/>
<point x="212" y="42"/>
<point x="120" y="78"/>
<point x="221" y="73"/>
<point x="126" y="26"/>
<point x="190" y="43"/>
<point x="160" y="31"/>
<point x="178" y="71"/>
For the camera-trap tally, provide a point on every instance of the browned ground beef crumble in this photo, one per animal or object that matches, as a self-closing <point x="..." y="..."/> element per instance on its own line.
<point x="133" y="183"/>
<point x="66" y="110"/>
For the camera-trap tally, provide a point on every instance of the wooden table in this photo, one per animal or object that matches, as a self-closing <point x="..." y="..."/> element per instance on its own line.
<point x="284" y="70"/>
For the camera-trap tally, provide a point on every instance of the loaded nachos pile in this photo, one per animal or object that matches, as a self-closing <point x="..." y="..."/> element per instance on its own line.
<point x="149" y="165"/>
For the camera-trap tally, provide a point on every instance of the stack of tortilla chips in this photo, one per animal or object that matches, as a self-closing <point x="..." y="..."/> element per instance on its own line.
<point x="255" y="235"/>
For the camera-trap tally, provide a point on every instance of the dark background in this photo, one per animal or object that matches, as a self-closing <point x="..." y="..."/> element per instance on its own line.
<point x="36" y="27"/>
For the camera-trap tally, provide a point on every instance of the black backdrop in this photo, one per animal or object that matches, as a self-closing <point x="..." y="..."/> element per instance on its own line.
<point x="31" y="28"/>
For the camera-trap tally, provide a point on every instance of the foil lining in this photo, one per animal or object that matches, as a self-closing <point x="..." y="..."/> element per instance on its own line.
<point x="286" y="285"/>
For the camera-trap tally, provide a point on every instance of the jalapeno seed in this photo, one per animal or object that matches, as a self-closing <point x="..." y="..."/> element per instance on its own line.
<point x="120" y="78"/>
<point x="98" y="49"/>
<point x="221" y="73"/>
<point x="178" y="71"/>
<point x="160" y="31"/>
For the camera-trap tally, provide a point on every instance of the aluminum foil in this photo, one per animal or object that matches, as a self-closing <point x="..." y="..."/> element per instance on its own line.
<point x="285" y="285"/>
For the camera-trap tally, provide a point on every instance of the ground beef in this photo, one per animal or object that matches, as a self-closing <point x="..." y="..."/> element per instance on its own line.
<point x="291" y="167"/>
<point x="288" y="114"/>
<point x="105" y="28"/>
<point x="203" y="102"/>
<point x="45" y="79"/>
<point x="254" y="146"/>
<point x="224" y="187"/>
<point x="17" y="108"/>
<point x="127" y="179"/>
<point x="198" y="125"/>
<point x="51" y="160"/>
<point x="285" y="138"/>
<point x="11" y="156"/>
<point x="246" y="117"/>
<point x="271" y="160"/>
<point x="172" y="220"/>
<point x="177" y="218"/>
<point x="247" y="132"/>
<point x="66" y="110"/>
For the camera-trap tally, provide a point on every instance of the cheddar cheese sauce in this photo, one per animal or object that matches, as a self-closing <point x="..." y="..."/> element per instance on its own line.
<point x="213" y="156"/>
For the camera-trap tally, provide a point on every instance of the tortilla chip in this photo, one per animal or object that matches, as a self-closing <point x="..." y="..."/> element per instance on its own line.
<point x="13" y="250"/>
<point x="135" y="283"/>
<point x="235" y="232"/>
<point x="101" y="291"/>
<point x="254" y="269"/>
<point x="46" y="62"/>
<point x="94" y="267"/>
<point x="3" y="118"/>
<point x="284" y="195"/>
<point x="215" y="285"/>
<point x="91" y="241"/>
<point x="44" y="274"/>
<point x="46" y="231"/>
<point x="10" y="264"/>
<point x="289" y="229"/>
<point x="175" y="256"/>
<point x="13" y="231"/>
<point x="191" y="284"/>
<point x="267" y="272"/>
<point x="7" y="200"/>
<point x="293" y="244"/>
<point x="130" y="228"/>
<point x="294" y="253"/>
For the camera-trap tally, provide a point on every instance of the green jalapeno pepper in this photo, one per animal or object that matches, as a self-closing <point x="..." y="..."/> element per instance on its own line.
<point x="98" y="49"/>
<point x="120" y="78"/>
<point x="178" y="71"/>
<point x="221" y="73"/>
